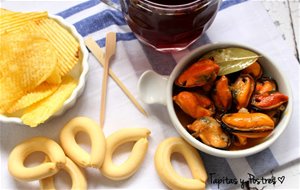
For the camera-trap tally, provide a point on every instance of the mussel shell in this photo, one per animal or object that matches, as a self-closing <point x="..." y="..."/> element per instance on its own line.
<point x="210" y="132"/>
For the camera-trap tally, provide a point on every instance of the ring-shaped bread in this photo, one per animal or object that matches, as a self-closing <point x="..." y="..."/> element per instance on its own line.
<point x="74" y="151"/>
<point x="168" y="174"/>
<point x="76" y="174"/>
<point x="18" y="155"/>
<point x="136" y="157"/>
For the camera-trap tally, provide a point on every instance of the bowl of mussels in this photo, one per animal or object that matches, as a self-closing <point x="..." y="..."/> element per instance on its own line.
<point x="225" y="99"/>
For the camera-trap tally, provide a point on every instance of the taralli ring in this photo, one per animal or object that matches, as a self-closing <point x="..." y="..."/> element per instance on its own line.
<point x="76" y="174"/>
<point x="74" y="151"/>
<point x="129" y="167"/>
<point x="37" y="144"/>
<point x="166" y="171"/>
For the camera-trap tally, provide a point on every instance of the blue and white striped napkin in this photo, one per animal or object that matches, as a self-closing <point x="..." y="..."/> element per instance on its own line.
<point x="245" y="22"/>
<point x="239" y="21"/>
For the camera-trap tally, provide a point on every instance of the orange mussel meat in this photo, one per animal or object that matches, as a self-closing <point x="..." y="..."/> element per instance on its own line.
<point x="245" y="122"/>
<point x="255" y="70"/>
<point x="242" y="90"/>
<point x="268" y="100"/>
<point x="244" y="125"/>
<point x="222" y="94"/>
<point x="194" y="104"/>
<point x="210" y="132"/>
<point x="265" y="84"/>
<point x="198" y="74"/>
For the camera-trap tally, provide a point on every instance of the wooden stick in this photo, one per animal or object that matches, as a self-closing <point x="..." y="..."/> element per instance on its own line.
<point x="110" y="49"/>
<point x="98" y="53"/>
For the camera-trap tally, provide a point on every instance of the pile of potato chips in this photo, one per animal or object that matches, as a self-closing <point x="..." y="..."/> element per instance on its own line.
<point x="36" y="57"/>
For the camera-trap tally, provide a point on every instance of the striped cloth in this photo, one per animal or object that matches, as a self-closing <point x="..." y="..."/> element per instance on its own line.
<point x="245" y="22"/>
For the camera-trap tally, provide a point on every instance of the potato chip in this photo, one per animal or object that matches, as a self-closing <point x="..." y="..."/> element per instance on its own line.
<point x="4" y="12"/>
<point x="55" y="77"/>
<point x="26" y="61"/>
<point x="12" y="21"/>
<point x="40" y="92"/>
<point x="65" y="44"/>
<point x="41" y="111"/>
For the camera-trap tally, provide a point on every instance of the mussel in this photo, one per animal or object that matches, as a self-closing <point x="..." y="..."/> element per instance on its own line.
<point x="255" y="70"/>
<point x="242" y="90"/>
<point x="266" y="96"/>
<point x="244" y="125"/>
<point x="268" y="100"/>
<point x="194" y="104"/>
<point x="221" y="95"/>
<point x="265" y="84"/>
<point x="243" y="122"/>
<point x="210" y="132"/>
<point x="198" y="74"/>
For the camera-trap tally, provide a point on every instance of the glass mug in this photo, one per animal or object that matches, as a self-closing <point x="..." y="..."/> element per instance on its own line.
<point x="169" y="25"/>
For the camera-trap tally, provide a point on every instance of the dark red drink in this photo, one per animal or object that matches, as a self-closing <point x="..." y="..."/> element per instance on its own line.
<point x="169" y="25"/>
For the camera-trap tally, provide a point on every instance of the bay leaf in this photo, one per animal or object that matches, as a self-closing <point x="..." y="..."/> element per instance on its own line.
<point x="232" y="59"/>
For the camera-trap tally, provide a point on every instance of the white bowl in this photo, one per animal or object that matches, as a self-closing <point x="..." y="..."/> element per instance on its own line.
<point x="79" y="72"/>
<point x="150" y="82"/>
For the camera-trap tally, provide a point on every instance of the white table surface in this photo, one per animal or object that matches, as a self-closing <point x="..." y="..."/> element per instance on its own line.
<point x="285" y="14"/>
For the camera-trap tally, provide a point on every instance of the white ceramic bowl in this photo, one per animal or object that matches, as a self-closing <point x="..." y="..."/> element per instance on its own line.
<point x="150" y="82"/>
<point x="79" y="72"/>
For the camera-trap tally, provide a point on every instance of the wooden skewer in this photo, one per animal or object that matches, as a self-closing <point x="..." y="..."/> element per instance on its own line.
<point x="98" y="53"/>
<point x="110" y="49"/>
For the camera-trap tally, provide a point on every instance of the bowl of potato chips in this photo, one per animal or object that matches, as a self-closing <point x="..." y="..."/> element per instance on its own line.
<point x="43" y="63"/>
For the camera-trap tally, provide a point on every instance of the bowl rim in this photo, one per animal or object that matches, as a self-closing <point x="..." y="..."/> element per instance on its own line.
<point x="218" y="152"/>
<point x="82" y="79"/>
